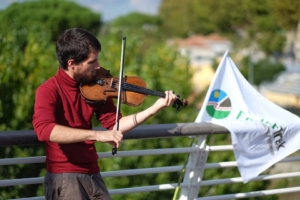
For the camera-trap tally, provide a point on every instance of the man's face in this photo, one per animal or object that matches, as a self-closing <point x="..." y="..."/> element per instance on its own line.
<point x="85" y="72"/>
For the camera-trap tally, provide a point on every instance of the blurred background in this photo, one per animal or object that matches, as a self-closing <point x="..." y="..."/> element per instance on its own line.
<point x="172" y="45"/>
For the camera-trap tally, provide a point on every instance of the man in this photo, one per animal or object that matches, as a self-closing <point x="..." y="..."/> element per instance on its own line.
<point x="62" y="119"/>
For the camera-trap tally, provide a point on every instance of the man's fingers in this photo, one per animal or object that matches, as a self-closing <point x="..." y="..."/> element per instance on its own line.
<point x="170" y="97"/>
<point x="118" y="139"/>
<point x="112" y="137"/>
<point x="118" y="136"/>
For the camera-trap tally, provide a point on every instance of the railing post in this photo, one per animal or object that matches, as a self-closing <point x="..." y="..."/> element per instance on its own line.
<point x="190" y="186"/>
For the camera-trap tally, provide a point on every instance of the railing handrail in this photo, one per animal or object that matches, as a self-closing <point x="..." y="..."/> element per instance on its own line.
<point x="28" y="137"/>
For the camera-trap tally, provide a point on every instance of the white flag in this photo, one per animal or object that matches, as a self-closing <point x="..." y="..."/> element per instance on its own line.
<point x="262" y="133"/>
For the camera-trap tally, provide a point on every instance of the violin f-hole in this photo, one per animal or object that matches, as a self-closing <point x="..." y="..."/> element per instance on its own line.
<point x="112" y="90"/>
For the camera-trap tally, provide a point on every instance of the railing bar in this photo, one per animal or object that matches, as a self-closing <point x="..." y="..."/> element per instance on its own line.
<point x="258" y="178"/>
<point x="220" y="148"/>
<point x="143" y="189"/>
<point x="290" y="159"/>
<point x="234" y="163"/>
<point x="26" y="160"/>
<point x="39" y="180"/>
<point x="252" y="194"/>
<point x="221" y="165"/>
<point x="132" y="172"/>
<point x="22" y="181"/>
<point x="41" y="159"/>
<point x="172" y="186"/>
<point x="32" y="198"/>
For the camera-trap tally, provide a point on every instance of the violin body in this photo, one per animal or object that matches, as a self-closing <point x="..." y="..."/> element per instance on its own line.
<point x="134" y="89"/>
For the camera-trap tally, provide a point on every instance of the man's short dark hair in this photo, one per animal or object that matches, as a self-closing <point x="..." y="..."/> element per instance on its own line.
<point x="75" y="44"/>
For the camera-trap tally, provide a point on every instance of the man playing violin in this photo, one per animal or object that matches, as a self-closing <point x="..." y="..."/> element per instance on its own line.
<point x="63" y="120"/>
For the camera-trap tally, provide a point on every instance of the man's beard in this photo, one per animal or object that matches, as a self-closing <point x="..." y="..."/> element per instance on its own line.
<point x="84" y="78"/>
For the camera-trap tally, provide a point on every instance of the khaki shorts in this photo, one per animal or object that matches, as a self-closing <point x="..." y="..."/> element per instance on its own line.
<point x="75" y="186"/>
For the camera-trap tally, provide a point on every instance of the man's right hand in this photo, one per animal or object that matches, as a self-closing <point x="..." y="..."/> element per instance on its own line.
<point x="113" y="137"/>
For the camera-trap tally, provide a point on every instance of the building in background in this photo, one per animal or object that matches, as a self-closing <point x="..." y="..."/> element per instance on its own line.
<point x="202" y="52"/>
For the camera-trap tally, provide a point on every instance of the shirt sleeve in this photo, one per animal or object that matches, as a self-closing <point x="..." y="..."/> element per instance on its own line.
<point x="107" y="114"/>
<point x="44" y="112"/>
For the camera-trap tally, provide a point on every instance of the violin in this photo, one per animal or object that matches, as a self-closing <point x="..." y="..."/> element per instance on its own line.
<point x="134" y="90"/>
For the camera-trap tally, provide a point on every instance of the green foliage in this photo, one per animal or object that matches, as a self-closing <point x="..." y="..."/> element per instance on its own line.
<point x="202" y="17"/>
<point x="263" y="29"/>
<point x="213" y="16"/>
<point x="178" y="19"/>
<point x="51" y="15"/>
<point x="264" y="70"/>
<point x="21" y="171"/>
<point x="286" y="12"/>
<point x="135" y="20"/>
<point x="164" y="69"/>
<point x="271" y="44"/>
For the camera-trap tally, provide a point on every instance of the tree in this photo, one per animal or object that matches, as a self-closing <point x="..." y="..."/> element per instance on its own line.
<point x="287" y="13"/>
<point x="143" y="25"/>
<point x="136" y="20"/>
<point x="178" y="18"/>
<point x="287" y="16"/>
<point x="51" y="15"/>
<point x="264" y="70"/>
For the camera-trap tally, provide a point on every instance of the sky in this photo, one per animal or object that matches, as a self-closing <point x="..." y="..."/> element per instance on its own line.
<point x="110" y="9"/>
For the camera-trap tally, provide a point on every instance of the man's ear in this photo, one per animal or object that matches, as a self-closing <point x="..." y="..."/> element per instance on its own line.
<point x="71" y="64"/>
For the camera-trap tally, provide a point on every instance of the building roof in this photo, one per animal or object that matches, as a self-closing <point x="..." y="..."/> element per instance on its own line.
<point x="200" y="40"/>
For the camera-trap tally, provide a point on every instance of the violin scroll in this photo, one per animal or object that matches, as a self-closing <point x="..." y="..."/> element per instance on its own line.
<point x="178" y="104"/>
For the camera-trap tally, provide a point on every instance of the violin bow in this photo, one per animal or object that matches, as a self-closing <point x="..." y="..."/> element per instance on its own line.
<point x="114" y="149"/>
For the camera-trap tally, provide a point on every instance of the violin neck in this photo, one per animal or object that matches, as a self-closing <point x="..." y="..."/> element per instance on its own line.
<point x="142" y="90"/>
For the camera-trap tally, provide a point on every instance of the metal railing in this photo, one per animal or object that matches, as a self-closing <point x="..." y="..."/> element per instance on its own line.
<point x="196" y="164"/>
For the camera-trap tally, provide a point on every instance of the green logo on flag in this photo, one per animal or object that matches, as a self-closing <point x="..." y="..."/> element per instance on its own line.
<point x="219" y="104"/>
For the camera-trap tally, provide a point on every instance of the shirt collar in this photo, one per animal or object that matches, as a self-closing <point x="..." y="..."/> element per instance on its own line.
<point x="66" y="79"/>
